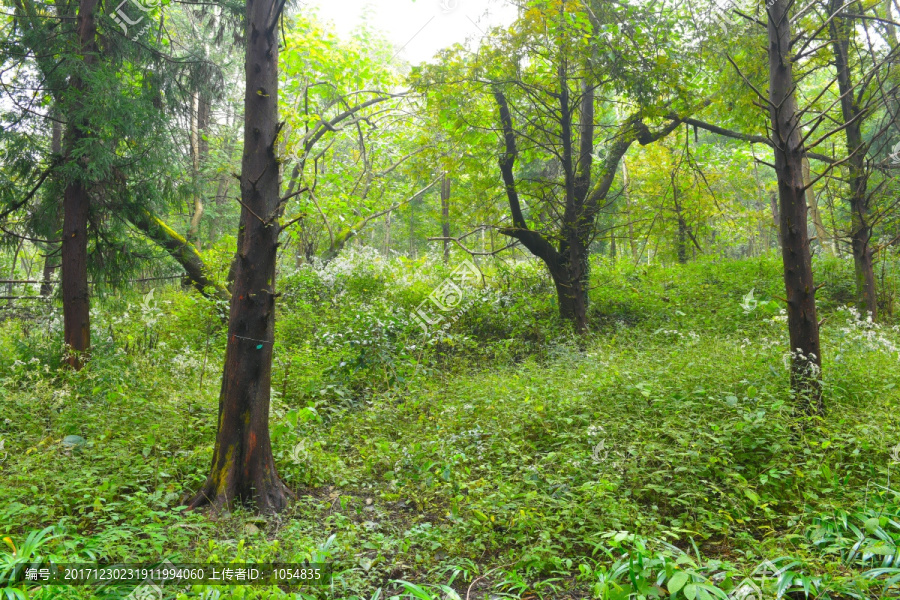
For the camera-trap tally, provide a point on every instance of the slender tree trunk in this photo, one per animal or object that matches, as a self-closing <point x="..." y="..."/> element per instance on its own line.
<point x="445" y="216"/>
<point x="199" y="149"/>
<point x="49" y="263"/>
<point x="243" y="468"/>
<point x="813" y="205"/>
<point x="776" y="217"/>
<point x="412" y="232"/>
<point x="632" y="240"/>
<point x="12" y="272"/>
<point x="76" y="204"/>
<point x="682" y="225"/>
<point x="806" y="355"/>
<point x="861" y="229"/>
<point x="47" y="277"/>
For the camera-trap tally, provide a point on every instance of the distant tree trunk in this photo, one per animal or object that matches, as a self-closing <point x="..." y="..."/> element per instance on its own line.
<point x="47" y="276"/>
<point x="243" y="468"/>
<point x="861" y="228"/>
<point x="445" y="216"/>
<point x="626" y="193"/>
<point x="387" y="233"/>
<point x="813" y="205"/>
<point x="12" y="271"/>
<point x="682" y="225"/>
<point x="806" y="354"/>
<point x="49" y="263"/>
<point x="776" y="218"/>
<point x="412" y="232"/>
<point x="76" y="204"/>
<point x="199" y="149"/>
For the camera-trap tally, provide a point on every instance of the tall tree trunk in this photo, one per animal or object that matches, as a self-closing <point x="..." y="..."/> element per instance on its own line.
<point x="12" y="272"/>
<point x="806" y="355"/>
<point x="199" y="149"/>
<point x="813" y="205"/>
<point x="776" y="217"/>
<point x="76" y="204"/>
<point x="445" y="216"/>
<point x="243" y="468"/>
<point x="682" y="225"/>
<point x="412" y="232"/>
<point x="861" y="229"/>
<point x="49" y="264"/>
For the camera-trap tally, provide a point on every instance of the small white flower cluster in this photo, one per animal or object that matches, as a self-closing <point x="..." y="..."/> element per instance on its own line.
<point x="595" y="430"/>
<point x="467" y="438"/>
<point x="186" y="361"/>
<point x="864" y="334"/>
<point x="808" y="361"/>
<point x="781" y="317"/>
<point x="692" y="337"/>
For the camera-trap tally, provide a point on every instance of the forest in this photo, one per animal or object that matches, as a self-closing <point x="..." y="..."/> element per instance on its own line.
<point x="600" y="302"/>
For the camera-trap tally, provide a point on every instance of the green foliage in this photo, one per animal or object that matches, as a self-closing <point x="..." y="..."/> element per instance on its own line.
<point x="659" y="456"/>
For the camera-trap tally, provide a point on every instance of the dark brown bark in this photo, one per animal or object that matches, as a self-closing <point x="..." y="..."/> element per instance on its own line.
<point x="445" y="216"/>
<point x="76" y="205"/>
<point x="806" y="356"/>
<point x="243" y="468"/>
<point x="861" y="229"/>
<point x="47" y="276"/>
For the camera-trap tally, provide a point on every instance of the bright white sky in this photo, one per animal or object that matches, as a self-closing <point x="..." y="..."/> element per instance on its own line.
<point x="425" y="26"/>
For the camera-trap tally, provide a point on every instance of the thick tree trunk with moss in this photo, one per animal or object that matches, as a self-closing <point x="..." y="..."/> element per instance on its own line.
<point x="803" y="328"/>
<point x="182" y="251"/>
<point x="76" y="203"/>
<point x="243" y="468"/>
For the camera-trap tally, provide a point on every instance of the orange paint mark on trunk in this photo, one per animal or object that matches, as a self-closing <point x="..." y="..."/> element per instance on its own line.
<point x="252" y="442"/>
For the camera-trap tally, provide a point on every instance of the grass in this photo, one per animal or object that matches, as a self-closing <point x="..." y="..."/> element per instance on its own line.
<point x="657" y="457"/>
